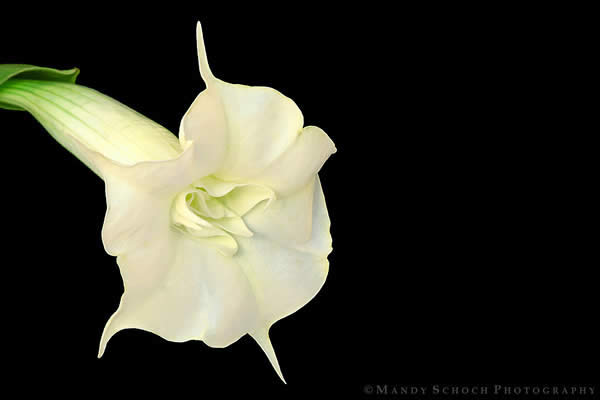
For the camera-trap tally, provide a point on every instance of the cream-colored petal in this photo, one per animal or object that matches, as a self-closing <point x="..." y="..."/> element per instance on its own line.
<point x="287" y="220"/>
<point x="235" y="225"/>
<point x="204" y="124"/>
<point x="243" y="129"/>
<point x="320" y="242"/>
<point x="264" y="139"/>
<point x="205" y="121"/>
<point x="245" y="197"/>
<point x="182" y="214"/>
<point x="136" y="196"/>
<point x="261" y="336"/>
<point x="208" y="206"/>
<point x="261" y="125"/>
<point x="286" y="277"/>
<point x="298" y="164"/>
<point x="265" y="281"/>
<point x="237" y="197"/>
<point x="215" y="187"/>
<point x="181" y="290"/>
<point x="257" y="124"/>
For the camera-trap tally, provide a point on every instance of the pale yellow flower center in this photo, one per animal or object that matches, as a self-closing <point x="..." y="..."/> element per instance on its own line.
<point x="213" y="209"/>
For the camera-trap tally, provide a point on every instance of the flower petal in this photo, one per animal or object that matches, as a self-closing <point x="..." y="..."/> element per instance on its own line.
<point x="261" y="124"/>
<point x="320" y="242"/>
<point x="261" y="336"/>
<point x="286" y="277"/>
<point x="287" y="220"/>
<point x="139" y="198"/>
<point x="255" y="134"/>
<point x="204" y="124"/>
<point x="180" y="291"/>
<point x="298" y="164"/>
<point x="258" y="124"/>
<point x="238" y="197"/>
<point x="245" y="197"/>
<point x="234" y="225"/>
<point x="242" y="129"/>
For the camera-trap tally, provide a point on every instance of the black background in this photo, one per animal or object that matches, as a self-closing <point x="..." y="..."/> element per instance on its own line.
<point x="457" y="214"/>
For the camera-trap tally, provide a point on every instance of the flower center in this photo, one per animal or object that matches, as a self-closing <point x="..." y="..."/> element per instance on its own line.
<point x="212" y="210"/>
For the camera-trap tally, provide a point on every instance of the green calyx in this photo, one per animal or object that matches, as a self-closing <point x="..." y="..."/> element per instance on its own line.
<point x="25" y="71"/>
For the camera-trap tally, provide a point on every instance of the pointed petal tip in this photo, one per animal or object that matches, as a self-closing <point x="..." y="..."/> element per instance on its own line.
<point x="198" y="31"/>
<point x="103" y="341"/>
<point x="109" y="331"/>
<point x="262" y="338"/>
<point x="102" y="346"/>
<point x="205" y="71"/>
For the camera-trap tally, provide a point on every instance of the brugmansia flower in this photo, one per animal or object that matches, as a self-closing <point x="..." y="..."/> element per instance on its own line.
<point x="219" y="233"/>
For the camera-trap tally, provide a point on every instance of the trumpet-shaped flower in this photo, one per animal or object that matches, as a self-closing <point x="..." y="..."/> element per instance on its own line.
<point x="218" y="233"/>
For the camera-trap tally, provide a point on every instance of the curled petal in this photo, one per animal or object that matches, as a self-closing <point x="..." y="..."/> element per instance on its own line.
<point x="287" y="220"/>
<point x="298" y="165"/>
<point x="237" y="197"/>
<point x="235" y="225"/>
<point x="245" y="197"/>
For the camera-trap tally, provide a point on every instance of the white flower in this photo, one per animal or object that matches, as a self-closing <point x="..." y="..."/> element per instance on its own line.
<point x="218" y="234"/>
